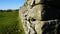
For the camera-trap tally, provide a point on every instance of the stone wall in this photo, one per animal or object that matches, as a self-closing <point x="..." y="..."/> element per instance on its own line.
<point x="40" y="16"/>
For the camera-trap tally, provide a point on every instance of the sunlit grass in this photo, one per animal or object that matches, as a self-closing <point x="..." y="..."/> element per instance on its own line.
<point x="9" y="23"/>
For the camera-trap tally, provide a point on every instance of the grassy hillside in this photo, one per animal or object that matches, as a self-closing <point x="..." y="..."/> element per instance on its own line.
<point x="9" y="23"/>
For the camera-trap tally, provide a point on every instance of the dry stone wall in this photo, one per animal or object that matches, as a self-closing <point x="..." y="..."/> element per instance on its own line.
<point x="40" y="17"/>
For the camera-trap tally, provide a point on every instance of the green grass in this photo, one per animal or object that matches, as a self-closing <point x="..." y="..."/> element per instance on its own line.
<point x="10" y="23"/>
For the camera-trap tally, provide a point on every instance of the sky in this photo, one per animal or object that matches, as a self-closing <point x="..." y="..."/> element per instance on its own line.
<point x="11" y="4"/>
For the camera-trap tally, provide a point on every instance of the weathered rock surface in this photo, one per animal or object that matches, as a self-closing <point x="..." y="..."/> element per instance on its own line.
<point x="41" y="16"/>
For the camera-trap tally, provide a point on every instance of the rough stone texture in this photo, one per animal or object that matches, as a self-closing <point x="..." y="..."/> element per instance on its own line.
<point x="41" y="16"/>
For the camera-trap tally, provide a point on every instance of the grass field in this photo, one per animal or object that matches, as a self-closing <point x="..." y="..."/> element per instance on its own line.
<point x="10" y="23"/>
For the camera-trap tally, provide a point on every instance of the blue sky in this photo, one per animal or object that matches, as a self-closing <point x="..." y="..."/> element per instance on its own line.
<point x="11" y="4"/>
